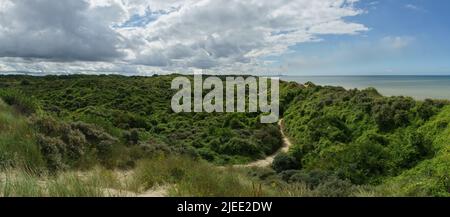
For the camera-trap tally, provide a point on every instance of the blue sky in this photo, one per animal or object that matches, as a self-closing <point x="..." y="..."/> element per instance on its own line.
<point x="405" y="37"/>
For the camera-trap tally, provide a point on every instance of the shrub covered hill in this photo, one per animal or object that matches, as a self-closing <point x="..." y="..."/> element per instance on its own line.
<point x="136" y="111"/>
<point x="366" y="138"/>
<point x="342" y="138"/>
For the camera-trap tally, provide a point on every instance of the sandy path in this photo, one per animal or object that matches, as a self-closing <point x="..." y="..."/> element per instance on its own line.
<point x="160" y="191"/>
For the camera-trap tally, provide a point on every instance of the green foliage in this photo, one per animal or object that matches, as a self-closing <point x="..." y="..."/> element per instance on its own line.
<point x="347" y="142"/>
<point x="131" y="137"/>
<point x="431" y="176"/>
<point x="94" y="183"/>
<point x="22" y="103"/>
<point x="133" y="108"/>
<point x="334" y="187"/>
<point x="311" y="178"/>
<point x="284" y="162"/>
<point x="359" y="135"/>
<point x="66" y="145"/>
<point x="17" y="142"/>
<point x="191" y="177"/>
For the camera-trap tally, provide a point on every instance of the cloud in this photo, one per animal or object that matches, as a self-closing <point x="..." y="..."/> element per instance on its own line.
<point x="414" y="8"/>
<point x="58" y="30"/>
<point x="373" y="5"/>
<point x="353" y="57"/>
<point x="222" y="32"/>
<point x="167" y="34"/>
<point x="397" y="42"/>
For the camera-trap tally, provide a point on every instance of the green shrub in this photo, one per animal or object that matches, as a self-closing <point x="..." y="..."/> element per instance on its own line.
<point x="53" y="150"/>
<point x="359" y="135"/>
<point x="67" y="145"/>
<point x="237" y="146"/>
<point x="311" y="178"/>
<point x="131" y="137"/>
<point x="22" y="103"/>
<point x="334" y="187"/>
<point x="284" y="162"/>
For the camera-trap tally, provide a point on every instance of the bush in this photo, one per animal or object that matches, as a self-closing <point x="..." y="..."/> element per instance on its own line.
<point x="76" y="144"/>
<point x="311" y="178"/>
<point x="25" y="82"/>
<point x="426" y="109"/>
<point x="284" y="162"/>
<point x="270" y="139"/>
<point x="131" y="137"/>
<point x="22" y="103"/>
<point x="334" y="187"/>
<point x="48" y="125"/>
<point x="237" y="146"/>
<point x="67" y="144"/>
<point x="53" y="150"/>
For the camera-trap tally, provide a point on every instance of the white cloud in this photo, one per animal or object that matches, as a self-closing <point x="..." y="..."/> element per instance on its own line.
<point x="414" y="8"/>
<point x="353" y="57"/>
<point x="217" y="34"/>
<point x="397" y="42"/>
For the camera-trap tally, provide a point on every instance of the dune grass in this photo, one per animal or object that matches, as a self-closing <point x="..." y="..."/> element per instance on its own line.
<point x="92" y="183"/>
<point x="197" y="178"/>
<point x="17" y="142"/>
<point x="179" y="175"/>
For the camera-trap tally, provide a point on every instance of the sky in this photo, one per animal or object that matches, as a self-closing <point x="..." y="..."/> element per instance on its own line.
<point x="291" y="37"/>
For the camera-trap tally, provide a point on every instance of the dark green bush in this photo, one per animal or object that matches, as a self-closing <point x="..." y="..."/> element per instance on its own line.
<point x="131" y="137"/>
<point x="284" y="162"/>
<point x="25" y="82"/>
<point x="237" y="146"/>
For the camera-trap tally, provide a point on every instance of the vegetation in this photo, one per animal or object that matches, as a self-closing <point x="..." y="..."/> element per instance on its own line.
<point x="17" y="144"/>
<point x="117" y="136"/>
<point x="365" y="138"/>
<point x="138" y="108"/>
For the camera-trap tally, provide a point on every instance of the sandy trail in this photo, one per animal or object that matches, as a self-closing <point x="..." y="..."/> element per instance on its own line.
<point x="160" y="191"/>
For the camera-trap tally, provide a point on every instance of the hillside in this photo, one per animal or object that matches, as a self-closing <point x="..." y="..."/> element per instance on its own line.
<point x="346" y="142"/>
<point x="139" y="107"/>
<point x="366" y="138"/>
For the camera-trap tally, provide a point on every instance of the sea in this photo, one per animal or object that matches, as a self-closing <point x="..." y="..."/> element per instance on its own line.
<point x="418" y="87"/>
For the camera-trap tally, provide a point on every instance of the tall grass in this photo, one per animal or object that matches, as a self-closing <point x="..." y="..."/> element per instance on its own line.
<point x="22" y="103"/>
<point x="17" y="144"/>
<point x="19" y="184"/>
<point x="94" y="183"/>
<point x="189" y="177"/>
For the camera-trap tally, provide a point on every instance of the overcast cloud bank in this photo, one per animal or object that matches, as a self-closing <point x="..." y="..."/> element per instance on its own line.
<point x="138" y="36"/>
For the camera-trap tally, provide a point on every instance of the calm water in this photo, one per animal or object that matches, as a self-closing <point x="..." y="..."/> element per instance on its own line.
<point x="419" y="87"/>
